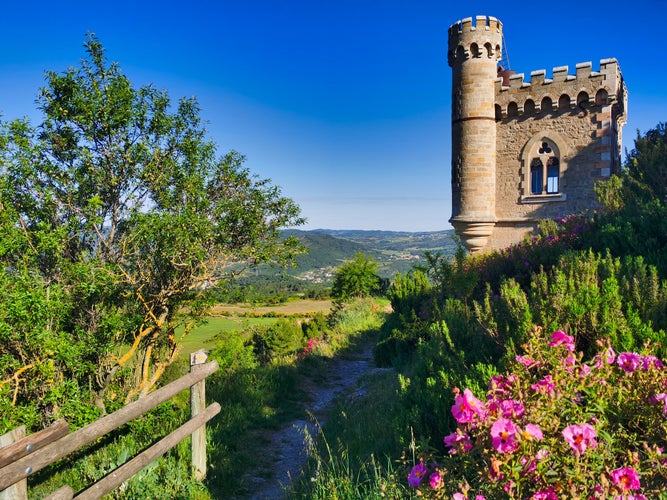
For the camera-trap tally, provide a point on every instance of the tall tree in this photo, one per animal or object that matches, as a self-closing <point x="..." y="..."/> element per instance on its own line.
<point x="120" y="203"/>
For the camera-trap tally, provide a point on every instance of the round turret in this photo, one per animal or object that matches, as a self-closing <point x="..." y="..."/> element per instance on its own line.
<point x="475" y="47"/>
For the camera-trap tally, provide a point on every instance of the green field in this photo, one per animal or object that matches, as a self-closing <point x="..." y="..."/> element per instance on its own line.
<point x="202" y="337"/>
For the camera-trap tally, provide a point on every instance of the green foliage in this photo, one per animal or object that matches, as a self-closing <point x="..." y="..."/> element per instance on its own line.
<point x="356" y="278"/>
<point x="647" y="163"/>
<point x="410" y="293"/>
<point x="117" y="218"/>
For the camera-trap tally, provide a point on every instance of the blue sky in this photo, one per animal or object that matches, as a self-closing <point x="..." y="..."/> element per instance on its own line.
<point x="344" y="104"/>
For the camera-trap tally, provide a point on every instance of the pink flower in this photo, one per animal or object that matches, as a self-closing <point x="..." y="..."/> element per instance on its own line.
<point x="503" y="436"/>
<point x="466" y="407"/>
<point x="452" y="441"/>
<point x="651" y="361"/>
<point x="580" y="437"/>
<point x="511" y="408"/>
<point x="610" y="355"/>
<point x="544" y="386"/>
<point x="662" y="398"/>
<point x="626" y="478"/>
<point x="561" y="338"/>
<point x="629" y="361"/>
<point x="545" y="495"/>
<point x="417" y="475"/>
<point x="569" y="363"/>
<point x="459" y="496"/>
<point x="533" y="431"/>
<point x="526" y="361"/>
<point x="435" y="481"/>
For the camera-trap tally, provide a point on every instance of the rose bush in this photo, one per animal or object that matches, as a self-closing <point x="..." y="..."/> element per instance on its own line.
<point x="556" y="427"/>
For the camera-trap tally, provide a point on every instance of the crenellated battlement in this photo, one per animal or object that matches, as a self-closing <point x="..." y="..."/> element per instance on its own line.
<point x="485" y="23"/>
<point x="476" y="38"/>
<point x="517" y="96"/>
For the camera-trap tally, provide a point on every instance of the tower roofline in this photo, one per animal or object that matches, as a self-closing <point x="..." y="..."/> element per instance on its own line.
<point x="488" y="23"/>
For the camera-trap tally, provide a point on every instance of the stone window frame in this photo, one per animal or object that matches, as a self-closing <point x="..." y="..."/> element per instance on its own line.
<point x="529" y="153"/>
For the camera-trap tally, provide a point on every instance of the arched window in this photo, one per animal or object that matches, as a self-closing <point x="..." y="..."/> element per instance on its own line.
<point x="529" y="107"/>
<point x="499" y="113"/>
<point x="582" y="100"/>
<point x="544" y="166"/>
<point x="547" y="104"/>
<point x="601" y="97"/>
<point x="564" y="102"/>
<point x="512" y="109"/>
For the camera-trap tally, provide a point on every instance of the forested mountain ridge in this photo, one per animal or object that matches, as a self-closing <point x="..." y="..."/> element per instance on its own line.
<point x="395" y="251"/>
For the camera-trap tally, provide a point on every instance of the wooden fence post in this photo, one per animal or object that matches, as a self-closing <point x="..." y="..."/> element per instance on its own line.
<point x="197" y="405"/>
<point x="19" y="490"/>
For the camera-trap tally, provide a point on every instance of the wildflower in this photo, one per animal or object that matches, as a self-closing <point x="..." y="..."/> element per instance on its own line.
<point x="651" y="361"/>
<point x="417" y="475"/>
<point x="660" y="397"/>
<point x="610" y="355"/>
<point x="435" y="481"/>
<point x="526" y="361"/>
<point x="466" y="407"/>
<point x="580" y="437"/>
<point x="561" y="338"/>
<point x="626" y="478"/>
<point x="508" y="408"/>
<point x="503" y="436"/>
<point x="569" y="363"/>
<point x="500" y="384"/>
<point x="533" y="431"/>
<point x="452" y="441"/>
<point x="629" y="361"/>
<point x="544" y="386"/>
<point x="549" y="494"/>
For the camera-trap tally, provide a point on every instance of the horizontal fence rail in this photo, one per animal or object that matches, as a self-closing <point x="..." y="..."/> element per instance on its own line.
<point x="32" y="453"/>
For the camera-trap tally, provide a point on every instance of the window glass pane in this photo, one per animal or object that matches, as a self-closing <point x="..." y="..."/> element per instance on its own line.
<point x="536" y="177"/>
<point x="552" y="176"/>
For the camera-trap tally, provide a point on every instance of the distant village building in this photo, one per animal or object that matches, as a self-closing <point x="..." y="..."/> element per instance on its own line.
<point x="525" y="150"/>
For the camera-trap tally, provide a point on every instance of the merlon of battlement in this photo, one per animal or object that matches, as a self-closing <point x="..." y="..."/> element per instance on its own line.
<point x="488" y="23"/>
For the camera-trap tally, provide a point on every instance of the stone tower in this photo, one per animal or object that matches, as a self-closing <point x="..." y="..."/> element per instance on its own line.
<point x="475" y="48"/>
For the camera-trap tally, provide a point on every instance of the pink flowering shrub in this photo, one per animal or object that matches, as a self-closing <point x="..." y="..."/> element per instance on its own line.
<point x="556" y="427"/>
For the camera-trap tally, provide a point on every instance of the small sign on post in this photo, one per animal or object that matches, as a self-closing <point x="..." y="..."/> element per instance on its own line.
<point x="197" y="405"/>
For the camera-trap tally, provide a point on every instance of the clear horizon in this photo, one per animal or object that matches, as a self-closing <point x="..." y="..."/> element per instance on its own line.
<point x="346" y="106"/>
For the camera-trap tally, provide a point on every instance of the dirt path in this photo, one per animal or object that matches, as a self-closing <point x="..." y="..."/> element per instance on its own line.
<point x="286" y="448"/>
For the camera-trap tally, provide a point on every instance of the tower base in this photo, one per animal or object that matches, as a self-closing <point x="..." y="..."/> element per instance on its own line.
<point x="474" y="235"/>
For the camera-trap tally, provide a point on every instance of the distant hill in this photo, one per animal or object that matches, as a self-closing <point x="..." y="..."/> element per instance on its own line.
<point x="395" y="251"/>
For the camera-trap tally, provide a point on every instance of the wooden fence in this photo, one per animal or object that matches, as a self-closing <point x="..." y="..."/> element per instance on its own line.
<point x="21" y="456"/>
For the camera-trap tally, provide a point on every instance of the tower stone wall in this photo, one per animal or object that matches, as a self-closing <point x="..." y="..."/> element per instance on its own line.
<point x="549" y="142"/>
